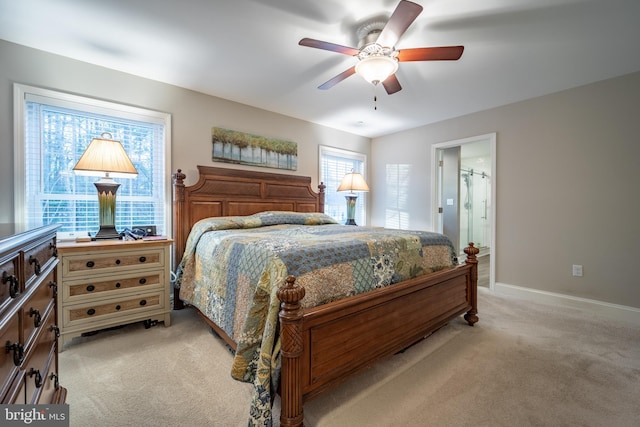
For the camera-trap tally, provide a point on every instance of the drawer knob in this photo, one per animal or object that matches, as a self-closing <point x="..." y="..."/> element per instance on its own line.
<point x="90" y="264"/>
<point x="143" y="259"/>
<point x="143" y="302"/>
<point x="142" y="281"/>
<point x="118" y="262"/>
<point x="55" y="330"/>
<point x="38" y="379"/>
<point x="13" y="283"/>
<point x="118" y="307"/>
<point x="54" y="249"/>
<point x="18" y="352"/>
<point x="91" y="288"/>
<point x="118" y="285"/>
<point x="36" y="267"/>
<point x="37" y="319"/>
<point x="91" y="311"/>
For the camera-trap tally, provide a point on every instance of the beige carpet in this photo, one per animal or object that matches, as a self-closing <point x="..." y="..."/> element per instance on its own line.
<point x="522" y="365"/>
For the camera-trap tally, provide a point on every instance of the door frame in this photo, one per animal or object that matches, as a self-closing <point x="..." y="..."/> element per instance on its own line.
<point x="436" y="191"/>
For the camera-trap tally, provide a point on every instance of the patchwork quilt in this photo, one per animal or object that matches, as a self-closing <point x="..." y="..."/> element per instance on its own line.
<point x="233" y="266"/>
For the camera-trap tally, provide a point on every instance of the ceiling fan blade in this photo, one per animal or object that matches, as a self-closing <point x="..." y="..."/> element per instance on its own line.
<point x="445" y="53"/>
<point x="406" y="12"/>
<point x="391" y="84"/>
<point x="337" y="79"/>
<point x="319" y="44"/>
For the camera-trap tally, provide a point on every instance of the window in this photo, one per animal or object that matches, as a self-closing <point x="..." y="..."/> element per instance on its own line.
<point x="52" y="131"/>
<point x="334" y="165"/>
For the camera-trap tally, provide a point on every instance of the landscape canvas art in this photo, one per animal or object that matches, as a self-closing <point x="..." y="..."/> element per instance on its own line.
<point x="232" y="146"/>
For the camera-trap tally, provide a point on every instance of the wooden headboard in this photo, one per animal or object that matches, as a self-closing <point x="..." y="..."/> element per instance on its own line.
<point x="230" y="192"/>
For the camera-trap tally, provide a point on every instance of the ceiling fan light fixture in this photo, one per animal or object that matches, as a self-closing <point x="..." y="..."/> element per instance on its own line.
<point x="376" y="69"/>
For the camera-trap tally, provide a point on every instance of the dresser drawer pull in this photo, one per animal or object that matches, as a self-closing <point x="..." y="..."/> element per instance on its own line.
<point x="118" y="262"/>
<point x="53" y="285"/>
<point x="118" y="285"/>
<point x="91" y="288"/>
<point x="54" y="249"/>
<point x="91" y="311"/>
<point x="37" y="319"/>
<point x="18" y="352"/>
<point x="90" y="264"/>
<point x="56" y="330"/>
<point x="143" y="302"/>
<point x="35" y="261"/>
<point x="142" y="281"/>
<point x="38" y="380"/>
<point x="143" y="259"/>
<point x="118" y="307"/>
<point x="54" y="378"/>
<point x="13" y="283"/>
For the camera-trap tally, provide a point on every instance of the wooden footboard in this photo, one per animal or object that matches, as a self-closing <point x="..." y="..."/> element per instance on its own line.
<point x="323" y="346"/>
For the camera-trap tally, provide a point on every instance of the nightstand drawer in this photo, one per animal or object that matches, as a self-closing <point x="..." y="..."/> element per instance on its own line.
<point x="74" y="291"/>
<point x="114" y="308"/>
<point x="112" y="261"/>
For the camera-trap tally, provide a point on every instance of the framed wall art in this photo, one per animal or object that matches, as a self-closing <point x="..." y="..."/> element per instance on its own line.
<point x="232" y="146"/>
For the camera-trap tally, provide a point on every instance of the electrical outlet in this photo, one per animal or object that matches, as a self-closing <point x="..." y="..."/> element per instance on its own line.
<point x="577" y="270"/>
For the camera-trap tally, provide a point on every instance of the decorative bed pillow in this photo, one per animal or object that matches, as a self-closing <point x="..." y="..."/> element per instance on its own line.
<point x="287" y="217"/>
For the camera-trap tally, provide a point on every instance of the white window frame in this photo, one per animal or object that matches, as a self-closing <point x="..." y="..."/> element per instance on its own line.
<point x="362" y="201"/>
<point x="21" y="95"/>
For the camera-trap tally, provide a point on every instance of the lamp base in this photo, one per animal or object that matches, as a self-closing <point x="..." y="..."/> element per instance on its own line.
<point x="107" y="232"/>
<point x="351" y="209"/>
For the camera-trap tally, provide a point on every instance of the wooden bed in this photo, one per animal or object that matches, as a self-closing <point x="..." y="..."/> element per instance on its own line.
<point x="379" y="323"/>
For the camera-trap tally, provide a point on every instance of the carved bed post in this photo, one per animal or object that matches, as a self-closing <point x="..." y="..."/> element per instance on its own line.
<point x="472" y="315"/>
<point x="178" y="239"/>
<point x="290" y="295"/>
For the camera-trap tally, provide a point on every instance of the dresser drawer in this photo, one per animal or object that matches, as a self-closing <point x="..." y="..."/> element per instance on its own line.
<point x="38" y="258"/>
<point x="9" y="282"/>
<point x="36" y="366"/>
<point x="113" y="308"/>
<point x="16" y="393"/>
<point x="77" y="290"/>
<point x="110" y="262"/>
<point x="36" y="307"/>
<point x="10" y="345"/>
<point x="46" y="393"/>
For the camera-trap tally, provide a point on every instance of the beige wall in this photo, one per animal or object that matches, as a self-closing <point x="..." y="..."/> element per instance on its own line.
<point x="567" y="187"/>
<point x="193" y="114"/>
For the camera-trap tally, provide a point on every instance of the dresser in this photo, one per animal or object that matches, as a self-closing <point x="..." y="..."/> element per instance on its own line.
<point x="28" y="317"/>
<point x="108" y="283"/>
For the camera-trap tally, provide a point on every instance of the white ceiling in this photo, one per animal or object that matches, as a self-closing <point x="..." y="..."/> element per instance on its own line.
<point x="247" y="51"/>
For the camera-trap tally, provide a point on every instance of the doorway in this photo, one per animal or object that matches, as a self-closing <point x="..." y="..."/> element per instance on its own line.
<point x="464" y="183"/>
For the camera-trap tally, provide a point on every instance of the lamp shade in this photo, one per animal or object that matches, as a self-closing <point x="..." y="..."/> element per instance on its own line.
<point x="352" y="182"/>
<point x="104" y="155"/>
<point x="376" y="69"/>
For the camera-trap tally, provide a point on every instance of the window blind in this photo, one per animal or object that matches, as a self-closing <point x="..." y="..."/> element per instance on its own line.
<point x="55" y="136"/>
<point x="334" y="165"/>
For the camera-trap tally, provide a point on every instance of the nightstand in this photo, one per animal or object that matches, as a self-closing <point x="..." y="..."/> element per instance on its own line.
<point x="108" y="283"/>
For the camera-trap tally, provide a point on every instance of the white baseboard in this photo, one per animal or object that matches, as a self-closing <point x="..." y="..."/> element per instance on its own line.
<point x="617" y="312"/>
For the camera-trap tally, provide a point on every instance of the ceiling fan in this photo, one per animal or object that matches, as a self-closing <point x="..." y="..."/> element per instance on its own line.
<point x="377" y="56"/>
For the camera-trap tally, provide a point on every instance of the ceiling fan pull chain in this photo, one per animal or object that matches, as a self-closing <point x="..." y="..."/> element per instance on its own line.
<point x="375" y="98"/>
